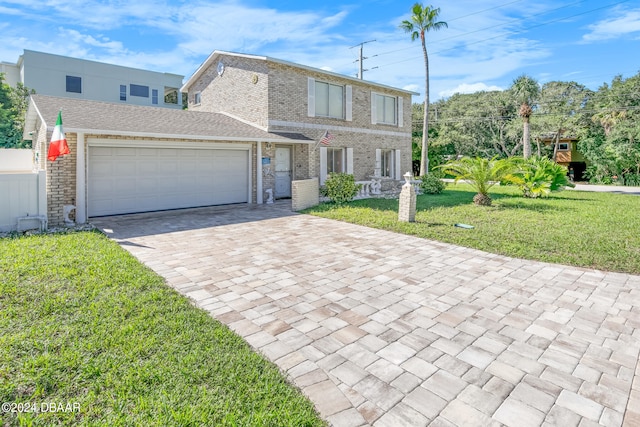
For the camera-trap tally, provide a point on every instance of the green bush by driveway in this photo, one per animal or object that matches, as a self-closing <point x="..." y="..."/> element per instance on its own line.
<point x="82" y="322"/>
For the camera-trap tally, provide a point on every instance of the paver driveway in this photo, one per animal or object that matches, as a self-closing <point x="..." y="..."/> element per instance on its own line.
<point x="384" y="329"/>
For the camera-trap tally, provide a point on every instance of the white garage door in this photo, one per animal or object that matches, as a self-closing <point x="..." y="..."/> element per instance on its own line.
<point x="127" y="179"/>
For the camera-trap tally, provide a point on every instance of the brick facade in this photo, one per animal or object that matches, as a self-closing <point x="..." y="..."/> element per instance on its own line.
<point x="274" y="95"/>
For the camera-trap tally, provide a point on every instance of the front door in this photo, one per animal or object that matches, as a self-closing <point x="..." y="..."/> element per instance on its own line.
<point x="283" y="172"/>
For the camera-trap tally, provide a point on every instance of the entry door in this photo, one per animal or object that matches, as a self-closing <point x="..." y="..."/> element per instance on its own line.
<point x="283" y="172"/>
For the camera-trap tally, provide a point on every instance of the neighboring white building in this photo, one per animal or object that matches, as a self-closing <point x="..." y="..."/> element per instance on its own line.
<point x="67" y="77"/>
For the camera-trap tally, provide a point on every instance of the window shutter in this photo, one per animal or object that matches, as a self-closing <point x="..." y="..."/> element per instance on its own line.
<point x="311" y="98"/>
<point x="350" y="161"/>
<point x="374" y="110"/>
<point x="323" y="165"/>
<point x="400" y="111"/>
<point x="349" y="103"/>
<point x="398" y="166"/>
<point x="377" y="171"/>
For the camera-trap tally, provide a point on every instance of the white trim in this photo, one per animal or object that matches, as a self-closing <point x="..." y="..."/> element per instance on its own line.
<point x="103" y="142"/>
<point x="187" y="137"/>
<point x="397" y="167"/>
<point x="349" y="103"/>
<point x="374" y="109"/>
<point x="399" y="112"/>
<point x="303" y="125"/>
<point x="377" y="170"/>
<point x="259" y="199"/>
<point x="81" y="180"/>
<point x="349" y="162"/>
<point x="311" y="97"/>
<point x="323" y="164"/>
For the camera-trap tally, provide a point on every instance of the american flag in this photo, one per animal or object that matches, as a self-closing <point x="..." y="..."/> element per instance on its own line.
<point x="326" y="138"/>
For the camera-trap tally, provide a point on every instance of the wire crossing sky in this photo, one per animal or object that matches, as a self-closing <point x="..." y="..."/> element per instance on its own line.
<point x="487" y="45"/>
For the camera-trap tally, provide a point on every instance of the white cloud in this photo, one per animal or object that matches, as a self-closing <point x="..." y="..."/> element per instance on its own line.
<point x="469" y="88"/>
<point x="612" y="28"/>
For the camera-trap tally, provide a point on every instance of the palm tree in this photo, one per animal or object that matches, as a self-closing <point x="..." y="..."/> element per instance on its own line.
<point x="480" y="173"/>
<point x="423" y="20"/>
<point x="525" y="89"/>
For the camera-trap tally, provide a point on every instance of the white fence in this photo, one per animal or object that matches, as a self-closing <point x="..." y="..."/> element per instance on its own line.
<point x="23" y="193"/>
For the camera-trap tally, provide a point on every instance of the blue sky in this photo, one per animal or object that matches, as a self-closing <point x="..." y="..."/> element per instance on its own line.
<point x="488" y="42"/>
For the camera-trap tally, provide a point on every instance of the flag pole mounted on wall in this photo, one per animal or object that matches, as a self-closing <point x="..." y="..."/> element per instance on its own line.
<point x="325" y="140"/>
<point x="58" y="145"/>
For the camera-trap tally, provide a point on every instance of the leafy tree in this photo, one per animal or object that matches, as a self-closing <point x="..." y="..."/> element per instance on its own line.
<point x="481" y="173"/>
<point x="478" y="124"/>
<point x="423" y="20"/>
<point x="13" y="108"/>
<point x="611" y="142"/>
<point x="559" y="108"/>
<point x="525" y="90"/>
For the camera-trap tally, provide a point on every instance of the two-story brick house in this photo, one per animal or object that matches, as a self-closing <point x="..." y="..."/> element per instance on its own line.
<point x="253" y="126"/>
<point x="370" y="123"/>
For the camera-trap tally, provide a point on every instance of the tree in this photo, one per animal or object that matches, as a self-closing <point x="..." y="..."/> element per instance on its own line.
<point x="13" y="108"/>
<point x="525" y="90"/>
<point x="481" y="173"/>
<point x="423" y="20"/>
<point x="477" y="124"/>
<point x="560" y="105"/>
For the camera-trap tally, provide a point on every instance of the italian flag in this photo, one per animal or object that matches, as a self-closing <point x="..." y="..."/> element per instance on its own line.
<point x="58" y="145"/>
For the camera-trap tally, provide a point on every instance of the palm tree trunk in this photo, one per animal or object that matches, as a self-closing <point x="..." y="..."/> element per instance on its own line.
<point x="526" y="139"/>
<point x="424" y="156"/>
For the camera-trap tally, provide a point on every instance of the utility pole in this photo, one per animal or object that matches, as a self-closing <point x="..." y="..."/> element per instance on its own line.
<point x="362" y="58"/>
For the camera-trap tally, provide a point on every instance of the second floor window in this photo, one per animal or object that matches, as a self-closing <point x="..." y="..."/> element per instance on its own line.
<point x="74" y="84"/>
<point x="139" y="90"/>
<point x="123" y="92"/>
<point x="329" y="100"/>
<point x="154" y="96"/>
<point x="385" y="109"/>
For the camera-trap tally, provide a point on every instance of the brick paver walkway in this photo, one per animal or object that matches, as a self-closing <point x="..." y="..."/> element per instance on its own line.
<point x="383" y="329"/>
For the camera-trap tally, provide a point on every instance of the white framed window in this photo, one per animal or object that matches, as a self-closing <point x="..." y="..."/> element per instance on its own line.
<point x="563" y="146"/>
<point x="336" y="160"/>
<point x="383" y="109"/>
<point x="388" y="164"/>
<point x="123" y="92"/>
<point x="329" y="100"/>
<point x="386" y="110"/>
<point x="197" y="98"/>
<point x="154" y="96"/>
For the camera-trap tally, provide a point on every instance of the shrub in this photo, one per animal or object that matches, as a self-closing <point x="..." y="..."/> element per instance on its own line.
<point x="632" y="179"/>
<point x="539" y="176"/>
<point x="480" y="173"/>
<point x="432" y="184"/>
<point x="340" y="188"/>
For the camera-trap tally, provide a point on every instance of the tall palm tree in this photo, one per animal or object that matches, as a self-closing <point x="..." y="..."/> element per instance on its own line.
<point x="525" y="89"/>
<point x="423" y="20"/>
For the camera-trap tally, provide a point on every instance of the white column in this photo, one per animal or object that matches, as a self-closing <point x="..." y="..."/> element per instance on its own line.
<point x="259" y="173"/>
<point x="81" y="183"/>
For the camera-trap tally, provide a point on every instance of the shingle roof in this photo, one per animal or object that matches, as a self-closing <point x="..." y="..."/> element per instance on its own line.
<point x="81" y="115"/>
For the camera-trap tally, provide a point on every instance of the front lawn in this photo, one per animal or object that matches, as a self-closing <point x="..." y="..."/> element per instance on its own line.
<point x="595" y="230"/>
<point x="83" y="324"/>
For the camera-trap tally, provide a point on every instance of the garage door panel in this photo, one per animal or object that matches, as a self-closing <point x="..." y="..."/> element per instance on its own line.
<point x="127" y="179"/>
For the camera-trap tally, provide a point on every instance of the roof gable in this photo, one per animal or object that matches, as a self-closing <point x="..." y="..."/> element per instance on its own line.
<point x="212" y="59"/>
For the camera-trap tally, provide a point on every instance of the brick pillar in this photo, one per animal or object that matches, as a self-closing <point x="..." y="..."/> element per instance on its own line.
<point x="407" y="210"/>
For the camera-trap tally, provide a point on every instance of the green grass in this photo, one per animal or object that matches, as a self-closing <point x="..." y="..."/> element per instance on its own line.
<point x="587" y="229"/>
<point x="81" y="321"/>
